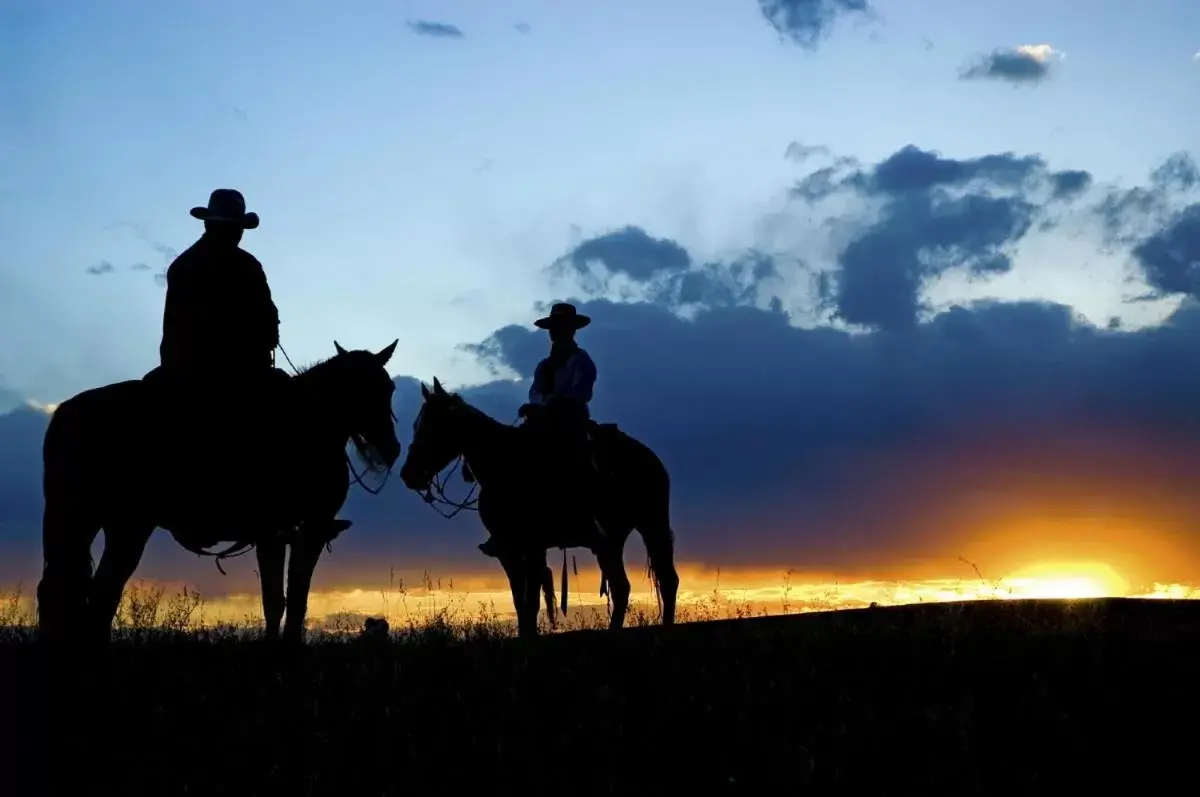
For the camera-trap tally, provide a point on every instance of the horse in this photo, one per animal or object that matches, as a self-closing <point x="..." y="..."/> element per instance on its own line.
<point x="92" y="481"/>
<point x="513" y="499"/>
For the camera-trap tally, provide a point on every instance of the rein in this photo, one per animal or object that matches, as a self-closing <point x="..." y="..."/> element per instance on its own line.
<point x="437" y="485"/>
<point x="355" y="477"/>
<point x="435" y="491"/>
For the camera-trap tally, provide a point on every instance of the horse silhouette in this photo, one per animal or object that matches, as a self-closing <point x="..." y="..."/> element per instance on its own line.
<point x="518" y="502"/>
<point x="286" y="492"/>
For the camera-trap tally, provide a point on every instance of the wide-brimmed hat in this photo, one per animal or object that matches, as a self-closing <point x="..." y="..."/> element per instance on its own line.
<point x="226" y="204"/>
<point x="563" y="315"/>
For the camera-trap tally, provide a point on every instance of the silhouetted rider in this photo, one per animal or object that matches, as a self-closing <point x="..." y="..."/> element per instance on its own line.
<point x="557" y="412"/>
<point x="219" y="318"/>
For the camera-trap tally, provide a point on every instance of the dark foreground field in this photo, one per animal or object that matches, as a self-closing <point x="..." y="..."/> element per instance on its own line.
<point x="992" y="697"/>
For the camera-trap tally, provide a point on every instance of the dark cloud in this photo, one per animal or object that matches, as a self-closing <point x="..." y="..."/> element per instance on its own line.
<point x="1130" y="215"/>
<point x="1021" y="66"/>
<point x="9" y="398"/>
<point x="629" y="251"/>
<point x="933" y="214"/>
<point x="103" y="267"/>
<point x="800" y="152"/>
<point x="1070" y="184"/>
<point x="1170" y="258"/>
<point x="823" y="448"/>
<point x="806" y="22"/>
<point x="21" y="433"/>
<point x="664" y="270"/>
<point x="140" y="267"/>
<point x="522" y="27"/>
<point x="439" y="30"/>
<point x="826" y="448"/>
<point x="1177" y="173"/>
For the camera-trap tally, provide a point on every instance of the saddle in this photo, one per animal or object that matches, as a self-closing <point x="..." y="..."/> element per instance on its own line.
<point x="599" y="437"/>
<point x="215" y="402"/>
<point x="206" y="429"/>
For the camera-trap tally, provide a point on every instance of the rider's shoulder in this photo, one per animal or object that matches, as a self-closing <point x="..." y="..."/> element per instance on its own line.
<point x="582" y="354"/>
<point x="247" y="256"/>
<point x="247" y="259"/>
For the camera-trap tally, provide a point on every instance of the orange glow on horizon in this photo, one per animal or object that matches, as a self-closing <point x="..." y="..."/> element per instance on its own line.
<point x="704" y="594"/>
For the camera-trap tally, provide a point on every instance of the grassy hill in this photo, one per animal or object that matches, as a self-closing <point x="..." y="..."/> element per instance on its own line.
<point x="988" y="697"/>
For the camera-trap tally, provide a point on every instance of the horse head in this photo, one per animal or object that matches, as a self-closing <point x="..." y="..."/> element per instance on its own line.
<point x="437" y="437"/>
<point x="359" y="390"/>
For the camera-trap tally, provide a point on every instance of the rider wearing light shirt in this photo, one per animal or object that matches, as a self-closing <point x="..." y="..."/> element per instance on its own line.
<point x="557" y="412"/>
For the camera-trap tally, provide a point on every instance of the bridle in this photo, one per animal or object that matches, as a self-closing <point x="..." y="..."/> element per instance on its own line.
<point x="434" y="493"/>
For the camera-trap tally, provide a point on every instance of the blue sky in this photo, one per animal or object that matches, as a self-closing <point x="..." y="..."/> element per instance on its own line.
<point x="413" y="186"/>
<point x="419" y="186"/>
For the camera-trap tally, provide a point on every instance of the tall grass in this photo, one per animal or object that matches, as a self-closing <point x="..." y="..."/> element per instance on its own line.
<point x="430" y="606"/>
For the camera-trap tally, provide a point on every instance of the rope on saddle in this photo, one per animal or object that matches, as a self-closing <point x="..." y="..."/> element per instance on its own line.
<point x="563" y="599"/>
<point x="234" y="550"/>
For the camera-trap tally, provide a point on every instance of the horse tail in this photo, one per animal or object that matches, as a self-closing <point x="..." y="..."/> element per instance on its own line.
<point x="68" y="528"/>
<point x="654" y="514"/>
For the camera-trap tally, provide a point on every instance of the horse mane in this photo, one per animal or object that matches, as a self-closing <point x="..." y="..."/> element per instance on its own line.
<point x="312" y="366"/>
<point x="458" y="402"/>
<point x="367" y="454"/>
<point x="466" y="405"/>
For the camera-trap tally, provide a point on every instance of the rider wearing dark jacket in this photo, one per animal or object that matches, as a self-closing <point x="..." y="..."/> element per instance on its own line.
<point x="219" y="315"/>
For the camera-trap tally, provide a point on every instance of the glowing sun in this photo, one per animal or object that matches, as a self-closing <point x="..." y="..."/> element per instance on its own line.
<point x="1065" y="580"/>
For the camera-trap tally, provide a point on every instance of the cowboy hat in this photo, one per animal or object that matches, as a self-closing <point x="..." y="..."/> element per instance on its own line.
<point x="563" y="315"/>
<point x="226" y="204"/>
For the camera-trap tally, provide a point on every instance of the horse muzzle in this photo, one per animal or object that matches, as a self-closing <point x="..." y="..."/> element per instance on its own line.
<point x="412" y="479"/>
<point x="390" y="455"/>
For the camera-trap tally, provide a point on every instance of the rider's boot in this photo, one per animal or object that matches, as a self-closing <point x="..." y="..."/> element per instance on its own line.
<point x="489" y="547"/>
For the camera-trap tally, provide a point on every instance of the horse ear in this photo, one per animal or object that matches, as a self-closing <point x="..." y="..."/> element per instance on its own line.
<point x="437" y="387"/>
<point x="387" y="353"/>
<point x="424" y="391"/>
<point x="339" y="348"/>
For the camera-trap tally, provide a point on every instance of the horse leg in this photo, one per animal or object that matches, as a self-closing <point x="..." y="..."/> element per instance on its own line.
<point x="516" y="568"/>
<point x="62" y="592"/>
<point x="548" y="592"/>
<point x="535" y="570"/>
<point x="612" y="570"/>
<point x="124" y="545"/>
<point x="306" y="550"/>
<point x="659" y="540"/>
<point x="271" y="554"/>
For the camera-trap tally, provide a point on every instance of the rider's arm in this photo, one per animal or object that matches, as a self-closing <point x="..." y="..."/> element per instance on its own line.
<point x="178" y="305"/>
<point x="260" y="291"/>
<point x="535" y="395"/>
<point x="581" y="378"/>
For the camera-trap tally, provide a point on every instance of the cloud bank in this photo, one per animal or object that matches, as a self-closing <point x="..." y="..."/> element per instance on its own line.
<point x="870" y="434"/>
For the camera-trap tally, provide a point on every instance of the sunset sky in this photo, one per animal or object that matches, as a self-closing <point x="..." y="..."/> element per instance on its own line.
<point x="896" y="290"/>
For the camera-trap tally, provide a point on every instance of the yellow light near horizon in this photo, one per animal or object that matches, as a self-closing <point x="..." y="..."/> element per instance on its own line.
<point x="1065" y="580"/>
